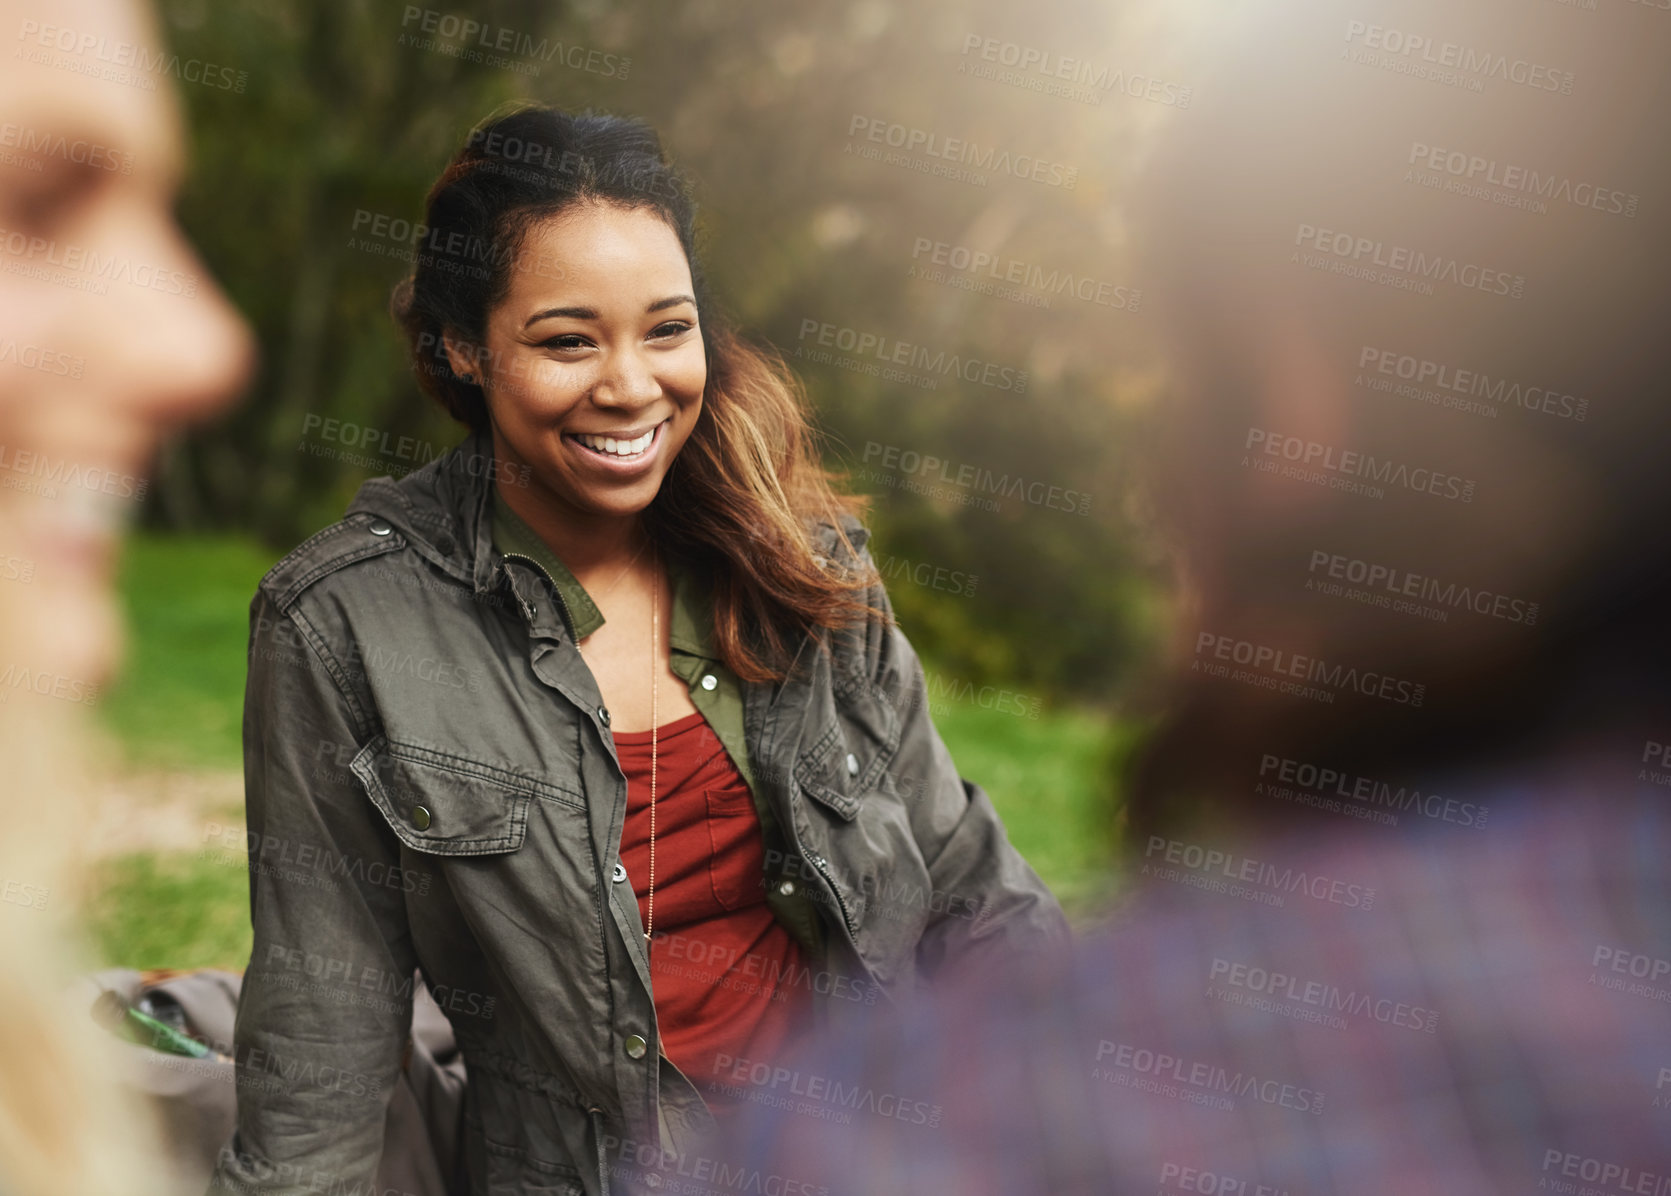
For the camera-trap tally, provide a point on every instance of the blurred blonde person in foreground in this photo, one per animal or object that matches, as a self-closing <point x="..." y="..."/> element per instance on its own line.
<point x="95" y="369"/>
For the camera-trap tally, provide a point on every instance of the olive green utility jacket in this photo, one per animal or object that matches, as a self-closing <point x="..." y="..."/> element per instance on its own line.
<point x="433" y="792"/>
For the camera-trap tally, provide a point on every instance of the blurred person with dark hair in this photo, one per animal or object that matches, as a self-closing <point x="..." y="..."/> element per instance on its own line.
<point x="1401" y="919"/>
<point x="93" y="375"/>
<point x="604" y="713"/>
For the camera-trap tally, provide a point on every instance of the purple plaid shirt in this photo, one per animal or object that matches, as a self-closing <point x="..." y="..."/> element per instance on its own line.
<point x="1478" y="1010"/>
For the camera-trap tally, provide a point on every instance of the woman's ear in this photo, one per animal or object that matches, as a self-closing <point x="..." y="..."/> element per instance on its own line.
<point x="462" y="358"/>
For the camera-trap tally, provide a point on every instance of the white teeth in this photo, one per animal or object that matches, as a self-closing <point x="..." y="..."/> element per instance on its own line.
<point x="620" y="448"/>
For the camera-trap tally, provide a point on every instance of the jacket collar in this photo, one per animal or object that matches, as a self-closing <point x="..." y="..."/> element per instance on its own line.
<point x="445" y="509"/>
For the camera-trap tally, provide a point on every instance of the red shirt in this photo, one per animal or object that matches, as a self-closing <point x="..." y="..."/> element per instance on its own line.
<point x="722" y="969"/>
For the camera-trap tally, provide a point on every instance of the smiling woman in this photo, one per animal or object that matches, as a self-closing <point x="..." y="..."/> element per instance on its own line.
<point x="639" y="769"/>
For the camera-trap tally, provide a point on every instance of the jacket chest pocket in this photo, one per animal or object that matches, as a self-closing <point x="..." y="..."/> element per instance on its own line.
<point x="852" y="735"/>
<point x="444" y="804"/>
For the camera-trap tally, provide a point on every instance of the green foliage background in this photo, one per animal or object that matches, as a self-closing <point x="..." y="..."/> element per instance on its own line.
<point x="349" y="112"/>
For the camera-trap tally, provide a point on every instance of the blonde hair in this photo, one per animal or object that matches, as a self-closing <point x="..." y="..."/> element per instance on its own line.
<point x="66" y="1127"/>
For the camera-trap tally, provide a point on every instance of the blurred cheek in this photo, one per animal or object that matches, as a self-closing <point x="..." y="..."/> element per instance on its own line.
<point x="532" y="389"/>
<point x="37" y="330"/>
<point x="689" y="377"/>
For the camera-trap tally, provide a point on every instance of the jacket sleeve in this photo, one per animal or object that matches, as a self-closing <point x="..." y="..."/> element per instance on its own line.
<point x="326" y="1001"/>
<point x="989" y="905"/>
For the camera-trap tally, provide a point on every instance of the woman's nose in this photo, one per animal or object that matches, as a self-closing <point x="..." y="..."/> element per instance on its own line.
<point x="188" y="353"/>
<point x="628" y="381"/>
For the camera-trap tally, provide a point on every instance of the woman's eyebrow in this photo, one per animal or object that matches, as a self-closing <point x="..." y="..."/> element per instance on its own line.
<point x="587" y="313"/>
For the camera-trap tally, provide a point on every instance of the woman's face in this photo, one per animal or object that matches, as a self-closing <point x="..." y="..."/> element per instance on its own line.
<point x="95" y="371"/>
<point x="594" y="369"/>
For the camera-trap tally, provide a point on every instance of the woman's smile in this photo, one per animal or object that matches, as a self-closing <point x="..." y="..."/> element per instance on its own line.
<point x="626" y="453"/>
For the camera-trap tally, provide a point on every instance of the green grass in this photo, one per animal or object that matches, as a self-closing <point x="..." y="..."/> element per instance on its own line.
<point x="181" y="910"/>
<point x="179" y="706"/>
<point x="179" y="702"/>
<point x="1051" y="780"/>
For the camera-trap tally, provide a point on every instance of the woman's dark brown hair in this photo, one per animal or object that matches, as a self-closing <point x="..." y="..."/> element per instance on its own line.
<point x="742" y="497"/>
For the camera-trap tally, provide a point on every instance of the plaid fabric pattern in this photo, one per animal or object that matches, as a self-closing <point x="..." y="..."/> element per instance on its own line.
<point x="1472" y="1011"/>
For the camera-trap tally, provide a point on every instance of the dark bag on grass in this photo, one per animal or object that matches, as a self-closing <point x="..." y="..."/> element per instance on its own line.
<point x="195" y="1098"/>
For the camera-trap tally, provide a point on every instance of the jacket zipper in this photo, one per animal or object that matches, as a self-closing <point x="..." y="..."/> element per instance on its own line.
<point x="841" y="902"/>
<point x="821" y="865"/>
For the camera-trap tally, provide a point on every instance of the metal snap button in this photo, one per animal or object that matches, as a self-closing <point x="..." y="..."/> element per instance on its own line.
<point x="420" y="817"/>
<point x="635" y="1046"/>
<point x="378" y="527"/>
<point x="852" y="765"/>
<point x="620" y="873"/>
<point x="787" y="888"/>
<point x="603" y="716"/>
<point x="709" y="681"/>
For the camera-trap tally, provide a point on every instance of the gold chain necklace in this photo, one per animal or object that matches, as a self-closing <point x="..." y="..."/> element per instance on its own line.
<point x="655" y="647"/>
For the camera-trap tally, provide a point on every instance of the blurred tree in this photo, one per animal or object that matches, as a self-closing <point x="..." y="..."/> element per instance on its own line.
<point x="351" y="109"/>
